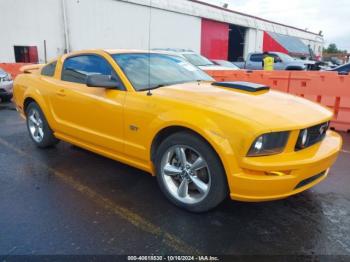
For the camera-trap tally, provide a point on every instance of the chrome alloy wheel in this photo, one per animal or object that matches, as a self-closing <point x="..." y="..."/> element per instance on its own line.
<point x="35" y="125"/>
<point x="185" y="174"/>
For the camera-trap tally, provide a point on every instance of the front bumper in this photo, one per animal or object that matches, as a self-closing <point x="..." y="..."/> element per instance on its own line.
<point x="279" y="176"/>
<point x="6" y="88"/>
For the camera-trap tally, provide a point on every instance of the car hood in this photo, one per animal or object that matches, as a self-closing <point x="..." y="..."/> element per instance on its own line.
<point x="272" y="109"/>
<point x="306" y="62"/>
<point x="296" y="63"/>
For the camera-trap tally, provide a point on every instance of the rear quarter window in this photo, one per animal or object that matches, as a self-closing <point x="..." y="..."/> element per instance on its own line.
<point x="49" y="70"/>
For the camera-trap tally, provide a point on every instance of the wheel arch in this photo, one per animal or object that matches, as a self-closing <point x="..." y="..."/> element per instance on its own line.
<point x="169" y="130"/>
<point x="26" y="103"/>
<point x="41" y="103"/>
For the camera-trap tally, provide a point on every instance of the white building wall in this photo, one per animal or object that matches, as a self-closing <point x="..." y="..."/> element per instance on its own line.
<point x="175" y="30"/>
<point x="253" y="41"/>
<point x="200" y="10"/>
<point x="121" y="24"/>
<point x="29" y="23"/>
<point x="114" y="24"/>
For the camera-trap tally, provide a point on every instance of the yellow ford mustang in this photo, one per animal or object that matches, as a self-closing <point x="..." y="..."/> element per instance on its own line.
<point x="202" y="139"/>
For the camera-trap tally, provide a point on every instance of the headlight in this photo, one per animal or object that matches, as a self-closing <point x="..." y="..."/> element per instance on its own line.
<point x="269" y="144"/>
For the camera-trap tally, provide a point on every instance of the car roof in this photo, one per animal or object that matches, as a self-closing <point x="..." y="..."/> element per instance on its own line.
<point x="114" y="51"/>
<point x="123" y="51"/>
<point x="156" y="51"/>
<point x="270" y="52"/>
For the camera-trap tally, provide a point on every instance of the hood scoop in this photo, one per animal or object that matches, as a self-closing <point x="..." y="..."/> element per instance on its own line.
<point x="244" y="86"/>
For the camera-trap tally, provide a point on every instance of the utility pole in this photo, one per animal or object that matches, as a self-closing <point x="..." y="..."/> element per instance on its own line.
<point x="65" y="27"/>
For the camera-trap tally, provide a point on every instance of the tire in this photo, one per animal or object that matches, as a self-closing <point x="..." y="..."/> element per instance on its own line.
<point x="38" y="128"/>
<point x="6" y="98"/>
<point x="294" y="68"/>
<point x="203" y="172"/>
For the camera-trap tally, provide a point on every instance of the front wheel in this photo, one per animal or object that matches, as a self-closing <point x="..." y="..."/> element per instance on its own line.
<point x="189" y="172"/>
<point x="38" y="127"/>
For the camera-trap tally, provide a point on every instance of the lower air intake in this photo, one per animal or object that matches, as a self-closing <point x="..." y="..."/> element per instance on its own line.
<point x="309" y="180"/>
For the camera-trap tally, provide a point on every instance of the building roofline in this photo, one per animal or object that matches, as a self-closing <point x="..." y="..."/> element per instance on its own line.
<point x="251" y="16"/>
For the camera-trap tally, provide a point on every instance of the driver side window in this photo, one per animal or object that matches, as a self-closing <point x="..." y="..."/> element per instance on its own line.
<point x="77" y="68"/>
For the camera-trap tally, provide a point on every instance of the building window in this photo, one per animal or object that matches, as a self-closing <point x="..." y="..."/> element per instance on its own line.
<point x="26" y="54"/>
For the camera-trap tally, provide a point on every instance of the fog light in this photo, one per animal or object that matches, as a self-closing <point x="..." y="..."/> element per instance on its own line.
<point x="303" y="139"/>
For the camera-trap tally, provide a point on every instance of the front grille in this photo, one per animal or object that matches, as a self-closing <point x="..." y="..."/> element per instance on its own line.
<point x="314" y="134"/>
<point x="309" y="180"/>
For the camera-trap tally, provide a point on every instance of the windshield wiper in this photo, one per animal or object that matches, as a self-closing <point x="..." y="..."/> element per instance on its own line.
<point x="166" y="84"/>
<point x="151" y="88"/>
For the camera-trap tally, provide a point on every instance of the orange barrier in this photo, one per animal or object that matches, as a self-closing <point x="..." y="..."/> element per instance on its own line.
<point x="327" y="88"/>
<point x="12" y="68"/>
<point x="278" y="80"/>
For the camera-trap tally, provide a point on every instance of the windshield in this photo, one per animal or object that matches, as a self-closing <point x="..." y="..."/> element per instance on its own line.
<point x="226" y="64"/>
<point x="146" y="70"/>
<point x="198" y="60"/>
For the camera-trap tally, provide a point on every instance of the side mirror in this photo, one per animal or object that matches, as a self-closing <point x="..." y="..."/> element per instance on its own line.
<point x="103" y="81"/>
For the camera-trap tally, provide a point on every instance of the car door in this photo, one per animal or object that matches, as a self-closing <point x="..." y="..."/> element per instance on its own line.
<point x="278" y="63"/>
<point x="345" y="69"/>
<point x="90" y="115"/>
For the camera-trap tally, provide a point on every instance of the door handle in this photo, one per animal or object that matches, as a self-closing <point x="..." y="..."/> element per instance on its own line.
<point x="61" y="92"/>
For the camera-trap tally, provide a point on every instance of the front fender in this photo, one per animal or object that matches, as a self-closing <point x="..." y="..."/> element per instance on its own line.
<point x="203" y="125"/>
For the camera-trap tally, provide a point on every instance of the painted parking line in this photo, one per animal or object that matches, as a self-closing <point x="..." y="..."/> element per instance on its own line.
<point x="140" y="222"/>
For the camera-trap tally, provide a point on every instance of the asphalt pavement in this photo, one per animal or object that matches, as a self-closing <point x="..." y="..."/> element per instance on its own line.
<point x="66" y="200"/>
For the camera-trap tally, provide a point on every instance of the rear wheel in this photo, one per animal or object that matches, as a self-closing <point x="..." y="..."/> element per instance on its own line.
<point x="190" y="173"/>
<point x="38" y="128"/>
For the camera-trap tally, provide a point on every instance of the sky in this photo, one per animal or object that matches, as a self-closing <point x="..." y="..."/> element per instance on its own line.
<point x="332" y="17"/>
